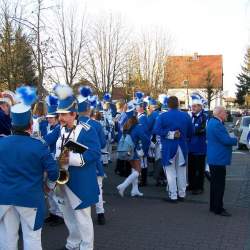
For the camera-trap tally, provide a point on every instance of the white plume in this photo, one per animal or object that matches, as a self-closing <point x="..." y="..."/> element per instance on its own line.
<point x="162" y="98"/>
<point x="63" y="91"/>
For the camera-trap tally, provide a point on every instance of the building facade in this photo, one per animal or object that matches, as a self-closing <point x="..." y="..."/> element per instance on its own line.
<point x="202" y="74"/>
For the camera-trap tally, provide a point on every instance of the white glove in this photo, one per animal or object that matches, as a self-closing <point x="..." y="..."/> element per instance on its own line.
<point x="140" y="152"/>
<point x="76" y="159"/>
<point x="51" y="184"/>
<point x="152" y="145"/>
<point x="170" y="135"/>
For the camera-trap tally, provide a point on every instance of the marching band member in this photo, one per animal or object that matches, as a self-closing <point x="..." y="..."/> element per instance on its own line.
<point x="108" y="112"/>
<point x="40" y="123"/>
<point x="81" y="191"/>
<point x="163" y="100"/>
<point x="153" y="113"/>
<point x="110" y="106"/>
<point x="175" y="128"/>
<point x="52" y="118"/>
<point x="128" y="112"/>
<point x="159" y="171"/>
<point x="120" y="106"/>
<point x="55" y="214"/>
<point x="159" y="174"/>
<point x="143" y="120"/>
<point x="84" y="110"/>
<point x="6" y="101"/>
<point x="134" y="129"/>
<point x="140" y="109"/>
<point x="108" y="125"/>
<point x="22" y="169"/>
<point x="197" y="147"/>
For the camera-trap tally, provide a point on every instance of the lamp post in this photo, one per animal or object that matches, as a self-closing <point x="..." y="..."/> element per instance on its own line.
<point x="186" y="84"/>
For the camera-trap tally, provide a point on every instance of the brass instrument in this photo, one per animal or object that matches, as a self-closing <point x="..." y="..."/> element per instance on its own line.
<point x="63" y="173"/>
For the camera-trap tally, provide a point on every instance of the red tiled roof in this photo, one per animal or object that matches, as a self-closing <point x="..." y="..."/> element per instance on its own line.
<point x="194" y="69"/>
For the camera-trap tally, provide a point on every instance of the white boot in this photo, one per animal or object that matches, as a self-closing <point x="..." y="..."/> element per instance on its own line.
<point x="121" y="188"/>
<point x="135" y="191"/>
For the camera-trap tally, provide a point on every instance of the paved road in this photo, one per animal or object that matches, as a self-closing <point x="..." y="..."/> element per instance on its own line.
<point x="148" y="223"/>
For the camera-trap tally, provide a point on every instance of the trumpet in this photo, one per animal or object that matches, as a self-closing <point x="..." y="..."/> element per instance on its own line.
<point x="63" y="172"/>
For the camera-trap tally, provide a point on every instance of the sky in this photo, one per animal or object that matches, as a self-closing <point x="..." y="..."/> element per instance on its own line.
<point x="202" y="26"/>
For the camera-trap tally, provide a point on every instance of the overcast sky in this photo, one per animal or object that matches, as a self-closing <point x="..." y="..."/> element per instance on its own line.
<point x="203" y="26"/>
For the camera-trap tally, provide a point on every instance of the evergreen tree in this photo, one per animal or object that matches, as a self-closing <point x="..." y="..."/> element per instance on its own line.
<point x="16" y="58"/>
<point x="6" y="41"/>
<point x="24" y="70"/>
<point x="243" y="86"/>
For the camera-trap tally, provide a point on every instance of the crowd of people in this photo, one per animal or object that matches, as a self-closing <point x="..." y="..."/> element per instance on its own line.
<point x="57" y="149"/>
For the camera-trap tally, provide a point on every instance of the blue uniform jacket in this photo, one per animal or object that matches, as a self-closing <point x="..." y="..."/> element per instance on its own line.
<point x="197" y="145"/>
<point x="219" y="143"/>
<point x="113" y="109"/>
<point x="121" y="121"/>
<point x="52" y="145"/>
<point x="151" y="120"/>
<point x="101" y="136"/>
<point x="5" y="123"/>
<point x="23" y="163"/>
<point x="173" y="120"/>
<point x="139" y="136"/>
<point x="143" y="121"/>
<point x="52" y="137"/>
<point x="43" y="125"/>
<point x="83" y="180"/>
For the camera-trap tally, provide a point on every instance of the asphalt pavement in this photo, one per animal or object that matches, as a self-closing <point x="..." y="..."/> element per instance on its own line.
<point x="149" y="223"/>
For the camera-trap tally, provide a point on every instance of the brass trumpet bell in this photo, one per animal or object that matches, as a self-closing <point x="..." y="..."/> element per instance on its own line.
<point x="63" y="177"/>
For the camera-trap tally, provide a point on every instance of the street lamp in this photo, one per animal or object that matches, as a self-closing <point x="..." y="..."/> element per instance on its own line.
<point x="186" y="84"/>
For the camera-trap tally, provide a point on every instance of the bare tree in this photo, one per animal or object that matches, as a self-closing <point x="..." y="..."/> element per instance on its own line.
<point x="105" y="53"/>
<point x="147" y="59"/>
<point x="211" y="92"/>
<point x="69" y="38"/>
<point x="36" y="23"/>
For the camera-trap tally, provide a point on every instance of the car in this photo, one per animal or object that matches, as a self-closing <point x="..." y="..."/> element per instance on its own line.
<point x="241" y="130"/>
<point x="235" y="113"/>
<point x="229" y="116"/>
